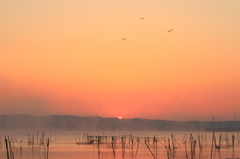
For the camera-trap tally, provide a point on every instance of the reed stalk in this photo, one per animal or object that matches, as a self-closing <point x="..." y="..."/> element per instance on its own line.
<point x="47" y="147"/>
<point x="199" y="142"/>
<point x="7" y="151"/>
<point x="113" y="146"/>
<point x="233" y="137"/>
<point x="138" y="140"/>
<point x="173" y="144"/>
<point x="155" y="140"/>
<point x="98" y="139"/>
<point x="169" y="147"/>
<point x="149" y="149"/>
<point x="20" y="147"/>
<point x="132" y="142"/>
<point x="186" y="151"/>
<point x="123" y="140"/>
<point x="212" y="145"/>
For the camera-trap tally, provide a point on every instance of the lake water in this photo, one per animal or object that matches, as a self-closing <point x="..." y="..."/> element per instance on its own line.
<point x="120" y="145"/>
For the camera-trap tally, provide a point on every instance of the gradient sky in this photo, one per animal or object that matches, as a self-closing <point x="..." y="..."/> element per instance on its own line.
<point x="68" y="57"/>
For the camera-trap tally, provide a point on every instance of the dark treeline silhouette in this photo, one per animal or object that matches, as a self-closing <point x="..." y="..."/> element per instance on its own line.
<point x="68" y="122"/>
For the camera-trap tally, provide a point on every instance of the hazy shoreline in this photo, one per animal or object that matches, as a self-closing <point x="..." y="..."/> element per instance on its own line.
<point x="96" y="123"/>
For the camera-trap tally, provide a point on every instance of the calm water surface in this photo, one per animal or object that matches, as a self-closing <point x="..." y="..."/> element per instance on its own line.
<point x="128" y="145"/>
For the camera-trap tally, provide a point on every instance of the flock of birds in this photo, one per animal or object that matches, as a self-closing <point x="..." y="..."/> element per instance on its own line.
<point x="170" y="30"/>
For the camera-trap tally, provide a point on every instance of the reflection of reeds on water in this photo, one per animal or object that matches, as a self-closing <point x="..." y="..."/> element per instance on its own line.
<point x="131" y="144"/>
<point x="191" y="147"/>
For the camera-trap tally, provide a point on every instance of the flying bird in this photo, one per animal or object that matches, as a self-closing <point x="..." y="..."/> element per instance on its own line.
<point x="124" y="38"/>
<point x="170" y="30"/>
<point x="142" y="18"/>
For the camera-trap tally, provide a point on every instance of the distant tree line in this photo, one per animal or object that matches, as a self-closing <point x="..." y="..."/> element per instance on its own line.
<point x="68" y="122"/>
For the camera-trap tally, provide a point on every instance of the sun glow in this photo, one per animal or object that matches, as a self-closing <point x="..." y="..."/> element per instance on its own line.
<point x="120" y="117"/>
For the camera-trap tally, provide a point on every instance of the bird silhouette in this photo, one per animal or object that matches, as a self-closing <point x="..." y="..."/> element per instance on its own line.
<point x="170" y="30"/>
<point x="142" y="18"/>
<point x="124" y="38"/>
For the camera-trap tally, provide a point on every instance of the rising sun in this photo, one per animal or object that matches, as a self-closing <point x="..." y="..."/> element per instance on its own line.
<point x="119" y="117"/>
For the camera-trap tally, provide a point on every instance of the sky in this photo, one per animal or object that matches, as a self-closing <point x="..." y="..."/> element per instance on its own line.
<point x="68" y="58"/>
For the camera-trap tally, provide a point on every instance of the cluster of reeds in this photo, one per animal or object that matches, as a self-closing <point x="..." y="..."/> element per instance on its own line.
<point x="152" y="147"/>
<point x="40" y="140"/>
<point x="217" y="142"/>
<point x="170" y="145"/>
<point x="85" y="139"/>
<point x="224" y="141"/>
<point x="192" y="144"/>
<point x="200" y="140"/>
<point x="9" y="148"/>
<point x="125" y="142"/>
<point x="42" y="143"/>
<point x="10" y="144"/>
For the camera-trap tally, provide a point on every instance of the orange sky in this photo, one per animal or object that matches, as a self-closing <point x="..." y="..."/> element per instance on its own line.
<point x="67" y="57"/>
